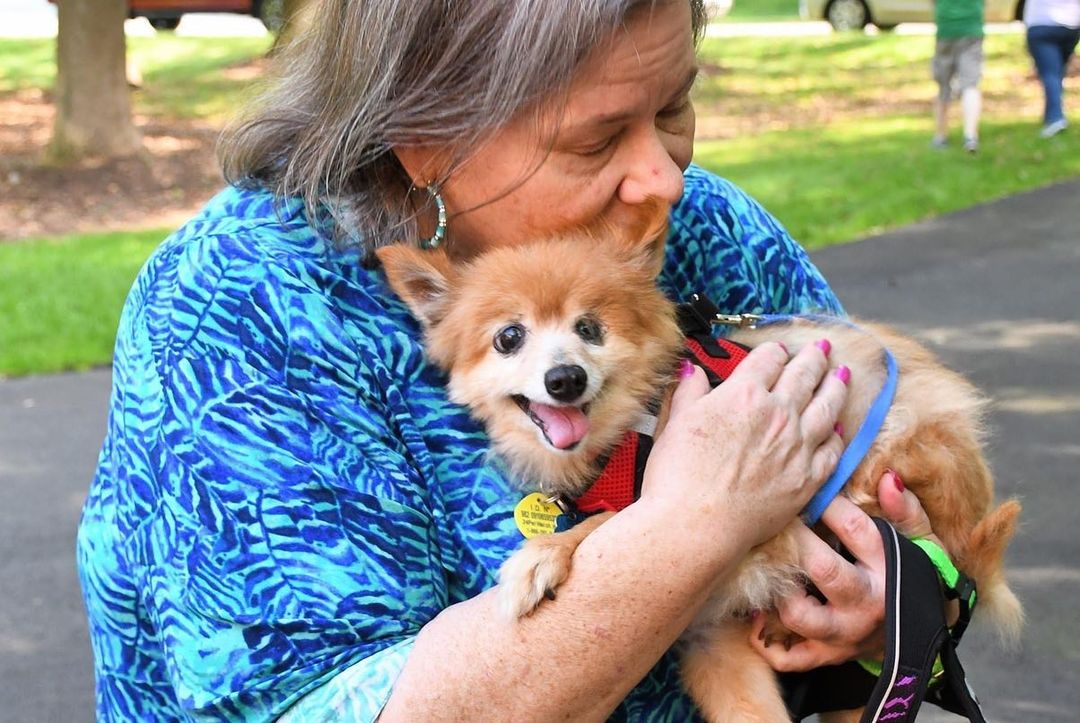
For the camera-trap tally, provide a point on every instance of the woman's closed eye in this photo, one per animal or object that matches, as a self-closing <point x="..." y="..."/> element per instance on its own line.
<point x="674" y="110"/>
<point x="599" y="147"/>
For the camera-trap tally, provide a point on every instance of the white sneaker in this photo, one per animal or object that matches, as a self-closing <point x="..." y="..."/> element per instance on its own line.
<point x="1052" y="129"/>
<point x="971" y="145"/>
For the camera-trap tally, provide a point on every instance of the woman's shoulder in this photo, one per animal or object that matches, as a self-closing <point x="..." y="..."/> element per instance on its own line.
<point x="718" y="210"/>
<point x="724" y="243"/>
<point x="250" y="272"/>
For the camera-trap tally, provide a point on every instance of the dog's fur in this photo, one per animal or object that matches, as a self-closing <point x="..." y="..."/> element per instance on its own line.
<point x="932" y="436"/>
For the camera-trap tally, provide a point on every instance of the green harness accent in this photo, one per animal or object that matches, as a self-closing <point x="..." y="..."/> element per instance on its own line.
<point x="955" y="586"/>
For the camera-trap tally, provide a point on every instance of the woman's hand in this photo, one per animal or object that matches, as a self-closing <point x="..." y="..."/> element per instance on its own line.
<point x="744" y="458"/>
<point x="851" y="624"/>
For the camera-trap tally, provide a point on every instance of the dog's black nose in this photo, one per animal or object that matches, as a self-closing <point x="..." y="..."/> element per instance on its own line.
<point x="566" y="383"/>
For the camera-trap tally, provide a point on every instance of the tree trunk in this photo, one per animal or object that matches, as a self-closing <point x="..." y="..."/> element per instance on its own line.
<point x="295" y="17"/>
<point x="93" y="102"/>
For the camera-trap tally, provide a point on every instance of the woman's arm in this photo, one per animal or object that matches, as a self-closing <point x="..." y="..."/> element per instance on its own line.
<point x="638" y="581"/>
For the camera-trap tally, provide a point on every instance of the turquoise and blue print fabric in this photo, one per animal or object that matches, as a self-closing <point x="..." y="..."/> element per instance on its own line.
<point x="285" y="496"/>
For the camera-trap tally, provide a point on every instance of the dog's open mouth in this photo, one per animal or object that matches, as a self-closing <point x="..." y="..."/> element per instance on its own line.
<point x="562" y="427"/>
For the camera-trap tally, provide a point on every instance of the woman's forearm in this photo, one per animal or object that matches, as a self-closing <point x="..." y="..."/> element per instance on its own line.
<point x="636" y="583"/>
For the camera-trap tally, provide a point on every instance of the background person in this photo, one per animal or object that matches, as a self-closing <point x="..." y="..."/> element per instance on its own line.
<point x="289" y="517"/>
<point x="1053" y="28"/>
<point x="957" y="66"/>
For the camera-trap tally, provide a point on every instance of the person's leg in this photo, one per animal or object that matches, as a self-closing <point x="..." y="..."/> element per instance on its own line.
<point x="942" y="70"/>
<point x="971" y="103"/>
<point x="969" y="75"/>
<point x="1046" y="51"/>
<point x="1069" y="41"/>
<point x="941" y="119"/>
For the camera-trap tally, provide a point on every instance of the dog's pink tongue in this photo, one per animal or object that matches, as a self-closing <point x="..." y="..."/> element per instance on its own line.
<point x="564" y="426"/>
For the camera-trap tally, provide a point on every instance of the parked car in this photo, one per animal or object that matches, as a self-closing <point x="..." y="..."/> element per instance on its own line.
<point x="887" y="14"/>
<point x="166" y="14"/>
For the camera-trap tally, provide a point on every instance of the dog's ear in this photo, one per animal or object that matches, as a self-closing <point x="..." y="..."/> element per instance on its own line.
<point x="647" y="235"/>
<point x="423" y="280"/>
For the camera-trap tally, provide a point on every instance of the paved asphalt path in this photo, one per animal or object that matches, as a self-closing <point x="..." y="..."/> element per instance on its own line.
<point x="995" y="289"/>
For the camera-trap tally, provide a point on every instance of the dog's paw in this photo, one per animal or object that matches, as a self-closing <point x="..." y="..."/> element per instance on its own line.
<point x="531" y="574"/>
<point x="775" y="633"/>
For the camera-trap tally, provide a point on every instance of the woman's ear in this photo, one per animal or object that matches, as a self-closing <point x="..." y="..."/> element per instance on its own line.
<point x="423" y="280"/>
<point x="423" y="163"/>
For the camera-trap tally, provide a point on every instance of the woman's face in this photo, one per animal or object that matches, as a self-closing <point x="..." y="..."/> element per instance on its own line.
<point x="625" y="133"/>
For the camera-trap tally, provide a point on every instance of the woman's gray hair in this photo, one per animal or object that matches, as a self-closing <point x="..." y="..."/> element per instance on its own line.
<point x="368" y="75"/>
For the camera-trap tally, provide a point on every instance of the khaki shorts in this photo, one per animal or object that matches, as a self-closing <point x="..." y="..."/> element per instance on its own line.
<point x="957" y="63"/>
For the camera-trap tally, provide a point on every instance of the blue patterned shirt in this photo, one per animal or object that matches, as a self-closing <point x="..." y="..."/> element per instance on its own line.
<point x="285" y="496"/>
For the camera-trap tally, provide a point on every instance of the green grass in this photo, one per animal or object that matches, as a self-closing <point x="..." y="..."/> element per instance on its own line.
<point x="187" y="77"/>
<point x="183" y="77"/>
<point x="850" y="181"/>
<point x="830" y="133"/>
<point x="60" y="299"/>
<point x="763" y="11"/>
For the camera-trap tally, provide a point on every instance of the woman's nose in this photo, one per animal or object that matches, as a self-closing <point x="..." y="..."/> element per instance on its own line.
<point x="653" y="173"/>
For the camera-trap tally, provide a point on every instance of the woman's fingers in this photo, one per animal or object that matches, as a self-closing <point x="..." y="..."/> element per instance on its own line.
<point x="801" y="376"/>
<point x="765" y="364"/>
<point x="801" y="383"/>
<point x="820" y="416"/>
<point x="837" y="579"/>
<point x="693" y="384"/>
<point x="902" y="508"/>
<point x="856" y="531"/>
<point x="848" y="623"/>
<point x="787" y="654"/>
<point x="825" y="458"/>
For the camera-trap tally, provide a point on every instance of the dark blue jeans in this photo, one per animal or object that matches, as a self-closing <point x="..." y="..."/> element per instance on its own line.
<point x="1051" y="46"/>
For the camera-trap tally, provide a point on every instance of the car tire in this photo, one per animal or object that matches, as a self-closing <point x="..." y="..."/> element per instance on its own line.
<point x="164" y="23"/>
<point x="271" y="13"/>
<point x="847" y="14"/>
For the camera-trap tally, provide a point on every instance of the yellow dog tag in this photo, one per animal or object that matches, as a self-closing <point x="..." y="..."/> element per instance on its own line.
<point x="534" y="515"/>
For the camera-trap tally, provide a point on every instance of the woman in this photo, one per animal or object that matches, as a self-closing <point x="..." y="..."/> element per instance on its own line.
<point x="289" y="517"/>
<point x="1053" y="28"/>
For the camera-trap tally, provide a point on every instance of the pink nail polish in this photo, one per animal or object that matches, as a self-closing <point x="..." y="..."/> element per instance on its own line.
<point x="686" y="369"/>
<point x="824" y="345"/>
<point x="896" y="480"/>
<point x="839" y="429"/>
<point x="784" y="347"/>
<point x="843" y="373"/>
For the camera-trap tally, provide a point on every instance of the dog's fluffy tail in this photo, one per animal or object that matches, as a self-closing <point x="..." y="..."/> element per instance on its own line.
<point x="996" y="604"/>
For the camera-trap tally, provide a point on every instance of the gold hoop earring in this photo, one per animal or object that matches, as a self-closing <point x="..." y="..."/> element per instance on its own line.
<point x="436" y="239"/>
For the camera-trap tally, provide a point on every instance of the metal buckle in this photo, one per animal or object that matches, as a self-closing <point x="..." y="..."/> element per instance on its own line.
<point x="741" y="321"/>
<point x="706" y="312"/>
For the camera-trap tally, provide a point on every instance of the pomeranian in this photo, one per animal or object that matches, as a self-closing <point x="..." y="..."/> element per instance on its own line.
<point x="558" y="346"/>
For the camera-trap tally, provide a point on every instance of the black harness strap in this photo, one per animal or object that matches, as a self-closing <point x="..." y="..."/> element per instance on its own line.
<point x="915" y="605"/>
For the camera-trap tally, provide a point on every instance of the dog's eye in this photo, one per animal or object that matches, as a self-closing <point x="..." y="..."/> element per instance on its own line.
<point x="589" y="330"/>
<point x="509" y="339"/>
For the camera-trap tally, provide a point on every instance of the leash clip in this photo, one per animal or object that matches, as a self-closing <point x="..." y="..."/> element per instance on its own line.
<point x="741" y="321"/>
<point x="701" y="313"/>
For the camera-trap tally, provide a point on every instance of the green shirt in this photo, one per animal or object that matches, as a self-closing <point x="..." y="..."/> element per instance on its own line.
<point x="958" y="18"/>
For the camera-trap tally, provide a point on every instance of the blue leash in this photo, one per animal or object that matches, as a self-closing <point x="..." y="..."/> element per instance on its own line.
<point x="858" y="448"/>
<point x="864" y="438"/>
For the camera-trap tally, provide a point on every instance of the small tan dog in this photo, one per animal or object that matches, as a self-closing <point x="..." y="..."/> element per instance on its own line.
<point x="559" y="345"/>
